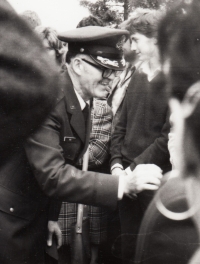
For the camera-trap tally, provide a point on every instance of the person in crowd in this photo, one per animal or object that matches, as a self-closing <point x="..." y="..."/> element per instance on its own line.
<point x="170" y="228"/>
<point x="57" y="52"/>
<point x="121" y="83"/>
<point x="115" y="100"/>
<point x="40" y="169"/>
<point x="53" y="45"/>
<point x="141" y="134"/>
<point x="32" y="18"/>
<point x="99" y="143"/>
<point x="29" y="88"/>
<point x="90" y="21"/>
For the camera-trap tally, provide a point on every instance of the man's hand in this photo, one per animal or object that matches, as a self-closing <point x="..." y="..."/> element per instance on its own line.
<point x="143" y="177"/>
<point x="53" y="228"/>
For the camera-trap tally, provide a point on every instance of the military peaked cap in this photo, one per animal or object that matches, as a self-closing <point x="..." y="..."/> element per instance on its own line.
<point x="104" y="45"/>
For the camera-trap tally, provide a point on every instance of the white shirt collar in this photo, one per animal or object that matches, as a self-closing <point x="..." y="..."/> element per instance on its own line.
<point x="80" y="99"/>
<point x="144" y="67"/>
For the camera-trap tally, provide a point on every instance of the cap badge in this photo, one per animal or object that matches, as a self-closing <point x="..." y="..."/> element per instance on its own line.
<point x="120" y="43"/>
<point x="107" y="61"/>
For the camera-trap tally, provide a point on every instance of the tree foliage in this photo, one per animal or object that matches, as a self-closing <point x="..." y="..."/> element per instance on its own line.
<point x="102" y="10"/>
<point x="154" y="4"/>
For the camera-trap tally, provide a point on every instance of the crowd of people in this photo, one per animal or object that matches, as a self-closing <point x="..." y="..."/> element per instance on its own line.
<point x="123" y="100"/>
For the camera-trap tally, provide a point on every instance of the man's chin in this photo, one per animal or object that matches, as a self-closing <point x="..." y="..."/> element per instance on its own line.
<point x="103" y="95"/>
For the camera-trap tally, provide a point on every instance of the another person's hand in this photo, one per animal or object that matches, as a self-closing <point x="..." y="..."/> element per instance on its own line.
<point x="53" y="228"/>
<point x="117" y="171"/>
<point x="143" y="177"/>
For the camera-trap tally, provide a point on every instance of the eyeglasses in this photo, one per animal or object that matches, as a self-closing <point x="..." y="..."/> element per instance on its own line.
<point x="105" y="71"/>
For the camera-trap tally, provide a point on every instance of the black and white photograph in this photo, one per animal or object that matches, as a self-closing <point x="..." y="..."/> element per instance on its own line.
<point x="99" y="131"/>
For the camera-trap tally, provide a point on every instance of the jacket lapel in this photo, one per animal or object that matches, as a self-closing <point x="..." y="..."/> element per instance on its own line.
<point x="73" y="107"/>
<point x="87" y="138"/>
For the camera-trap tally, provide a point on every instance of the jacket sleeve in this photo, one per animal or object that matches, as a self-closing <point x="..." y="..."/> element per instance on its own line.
<point x="118" y="135"/>
<point x="157" y="153"/>
<point x="54" y="209"/>
<point x="63" y="181"/>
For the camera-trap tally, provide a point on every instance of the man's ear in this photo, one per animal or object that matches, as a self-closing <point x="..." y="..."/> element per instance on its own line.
<point x="77" y="66"/>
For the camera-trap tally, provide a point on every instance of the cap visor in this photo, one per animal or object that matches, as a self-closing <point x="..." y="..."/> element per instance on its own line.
<point x="117" y="65"/>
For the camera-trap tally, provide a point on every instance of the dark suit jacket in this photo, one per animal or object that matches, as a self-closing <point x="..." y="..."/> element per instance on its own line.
<point x="162" y="240"/>
<point x="141" y="134"/>
<point x="41" y="170"/>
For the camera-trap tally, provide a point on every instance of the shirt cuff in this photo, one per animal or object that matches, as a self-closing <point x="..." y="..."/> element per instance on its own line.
<point x="128" y="170"/>
<point x="117" y="165"/>
<point x="121" y="187"/>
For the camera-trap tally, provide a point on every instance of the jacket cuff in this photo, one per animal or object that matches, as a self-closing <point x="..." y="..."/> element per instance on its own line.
<point x="114" y="161"/>
<point x="132" y="166"/>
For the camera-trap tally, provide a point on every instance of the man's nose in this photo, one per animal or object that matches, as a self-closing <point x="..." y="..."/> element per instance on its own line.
<point x="112" y="76"/>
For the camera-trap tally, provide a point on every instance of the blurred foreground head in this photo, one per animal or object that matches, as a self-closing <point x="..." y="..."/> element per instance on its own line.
<point x="28" y="80"/>
<point x="31" y="18"/>
<point x="179" y="42"/>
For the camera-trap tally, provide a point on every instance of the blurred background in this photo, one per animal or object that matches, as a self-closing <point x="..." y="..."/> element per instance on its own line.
<point x="65" y="14"/>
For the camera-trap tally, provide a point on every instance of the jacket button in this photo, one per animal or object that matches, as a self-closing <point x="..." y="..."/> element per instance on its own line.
<point x="11" y="209"/>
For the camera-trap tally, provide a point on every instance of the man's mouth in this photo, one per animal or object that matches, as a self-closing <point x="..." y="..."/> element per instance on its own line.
<point x="105" y="83"/>
<point x="106" y="86"/>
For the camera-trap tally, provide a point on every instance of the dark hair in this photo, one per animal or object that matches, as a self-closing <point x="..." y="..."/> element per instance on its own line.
<point x="179" y="40"/>
<point x="90" y="21"/>
<point x="85" y="22"/>
<point x="143" y="21"/>
<point x="32" y="18"/>
<point x="54" y="43"/>
<point x="70" y="55"/>
<point x="51" y="36"/>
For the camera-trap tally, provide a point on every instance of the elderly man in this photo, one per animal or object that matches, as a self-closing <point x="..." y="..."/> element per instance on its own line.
<point x="43" y="172"/>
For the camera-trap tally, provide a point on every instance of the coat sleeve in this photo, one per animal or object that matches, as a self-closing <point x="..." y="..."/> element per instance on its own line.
<point x="157" y="153"/>
<point x="63" y="181"/>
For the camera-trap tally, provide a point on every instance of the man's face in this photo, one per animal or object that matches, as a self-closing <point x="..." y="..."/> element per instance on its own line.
<point x="93" y="82"/>
<point x="143" y="46"/>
